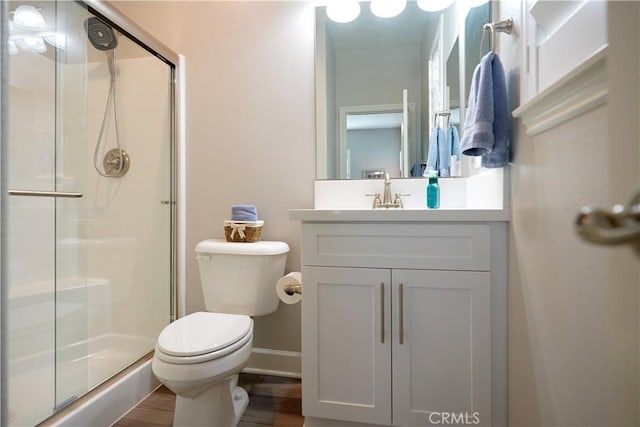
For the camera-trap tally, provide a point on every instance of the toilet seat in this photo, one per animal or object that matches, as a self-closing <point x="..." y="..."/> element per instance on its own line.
<point x="203" y="336"/>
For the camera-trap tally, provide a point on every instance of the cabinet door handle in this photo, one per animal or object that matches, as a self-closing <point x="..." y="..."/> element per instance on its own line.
<point x="401" y="314"/>
<point x="382" y="313"/>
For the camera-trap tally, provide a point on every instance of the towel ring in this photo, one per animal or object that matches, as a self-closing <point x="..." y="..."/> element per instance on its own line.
<point x="503" y="26"/>
<point x="445" y="114"/>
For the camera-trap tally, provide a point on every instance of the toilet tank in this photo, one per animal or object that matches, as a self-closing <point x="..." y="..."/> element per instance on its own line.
<point x="240" y="278"/>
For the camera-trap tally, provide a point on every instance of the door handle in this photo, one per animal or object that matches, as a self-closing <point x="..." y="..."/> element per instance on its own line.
<point x="32" y="193"/>
<point x="619" y="225"/>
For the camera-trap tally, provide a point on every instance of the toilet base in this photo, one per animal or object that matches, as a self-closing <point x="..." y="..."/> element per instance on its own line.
<point x="220" y="406"/>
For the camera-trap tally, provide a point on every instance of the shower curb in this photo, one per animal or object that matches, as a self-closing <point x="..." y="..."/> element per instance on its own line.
<point x="106" y="405"/>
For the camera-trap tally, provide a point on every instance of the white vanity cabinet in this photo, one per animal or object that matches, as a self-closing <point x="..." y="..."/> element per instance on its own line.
<point x="441" y="355"/>
<point x="400" y="321"/>
<point x="346" y="350"/>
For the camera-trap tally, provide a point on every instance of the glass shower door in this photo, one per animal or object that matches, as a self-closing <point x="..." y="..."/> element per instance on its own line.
<point x="73" y="316"/>
<point x="127" y="223"/>
<point x="89" y="251"/>
<point x="44" y="198"/>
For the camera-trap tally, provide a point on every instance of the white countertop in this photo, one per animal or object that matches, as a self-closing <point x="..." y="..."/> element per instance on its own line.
<point x="399" y="215"/>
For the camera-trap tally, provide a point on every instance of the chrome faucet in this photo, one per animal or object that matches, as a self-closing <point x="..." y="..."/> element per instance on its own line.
<point x="386" y="196"/>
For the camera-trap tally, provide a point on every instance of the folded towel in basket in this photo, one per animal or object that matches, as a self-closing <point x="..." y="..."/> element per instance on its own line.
<point x="244" y="213"/>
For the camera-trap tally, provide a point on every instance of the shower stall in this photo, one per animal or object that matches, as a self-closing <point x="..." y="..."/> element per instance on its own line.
<point x="88" y="202"/>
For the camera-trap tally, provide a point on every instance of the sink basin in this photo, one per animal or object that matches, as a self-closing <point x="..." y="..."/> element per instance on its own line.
<point x="479" y="192"/>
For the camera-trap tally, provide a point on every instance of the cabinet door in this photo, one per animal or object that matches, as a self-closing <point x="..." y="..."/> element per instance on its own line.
<point x="346" y="349"/>
<point x="441" y="347"/>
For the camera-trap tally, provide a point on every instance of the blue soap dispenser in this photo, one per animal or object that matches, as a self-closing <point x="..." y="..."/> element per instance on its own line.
<point x="433" y="191"/>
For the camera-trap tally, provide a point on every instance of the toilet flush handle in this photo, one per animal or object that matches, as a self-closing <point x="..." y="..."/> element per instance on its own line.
<point x="204" y="258"/>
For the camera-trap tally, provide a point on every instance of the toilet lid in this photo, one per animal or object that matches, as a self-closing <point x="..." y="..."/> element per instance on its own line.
<point x="202" y="332"/>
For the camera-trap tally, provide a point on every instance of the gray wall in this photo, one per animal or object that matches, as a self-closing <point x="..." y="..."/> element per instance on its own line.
<point x="250" y="124"/>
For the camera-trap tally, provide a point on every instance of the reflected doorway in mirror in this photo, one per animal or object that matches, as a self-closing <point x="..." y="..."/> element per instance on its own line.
<point x="371" y="139"/>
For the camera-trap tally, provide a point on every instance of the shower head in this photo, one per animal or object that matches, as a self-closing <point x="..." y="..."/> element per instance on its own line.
<point x="100" y="34"/>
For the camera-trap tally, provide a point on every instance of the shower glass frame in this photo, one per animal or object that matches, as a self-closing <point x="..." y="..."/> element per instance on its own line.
<point x="4" y="85"/>
<point x="132" y="31"/>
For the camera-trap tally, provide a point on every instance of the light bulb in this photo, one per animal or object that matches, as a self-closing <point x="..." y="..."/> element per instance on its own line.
<point x="32" y="44"/>
<point x="387" y="8"/>
<point x="434" y="5"/>
<point x="28" y="18"/>
<point x="343" y="11"/>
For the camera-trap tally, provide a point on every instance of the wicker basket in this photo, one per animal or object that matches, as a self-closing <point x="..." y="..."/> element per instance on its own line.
<point x="243" y="231"/>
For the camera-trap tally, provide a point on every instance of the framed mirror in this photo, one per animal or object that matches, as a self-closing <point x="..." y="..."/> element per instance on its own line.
<point x="375" y="91"/>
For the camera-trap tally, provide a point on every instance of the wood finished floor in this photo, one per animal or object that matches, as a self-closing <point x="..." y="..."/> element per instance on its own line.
<point x="273" y="401"/>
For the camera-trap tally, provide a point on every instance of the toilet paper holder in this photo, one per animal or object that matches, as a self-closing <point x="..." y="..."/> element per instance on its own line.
<point x="289" y="288"/>
<point x="293" y="289"/>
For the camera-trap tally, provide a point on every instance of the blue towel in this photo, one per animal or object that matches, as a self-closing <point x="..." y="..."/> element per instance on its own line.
<point x="439" y="155"/>
<point x="418" y="169"/>
<point x="453" y="139"/>
<point x="444" y="154"/>
<point x="486" y="126"/>
<point x="244" y="213"/>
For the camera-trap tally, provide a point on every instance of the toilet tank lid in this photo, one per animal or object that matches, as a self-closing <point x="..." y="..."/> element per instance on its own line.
<point x="218" y="246"/>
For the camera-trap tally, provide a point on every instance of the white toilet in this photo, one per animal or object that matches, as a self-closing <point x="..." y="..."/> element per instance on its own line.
<point x="199" y="356"/>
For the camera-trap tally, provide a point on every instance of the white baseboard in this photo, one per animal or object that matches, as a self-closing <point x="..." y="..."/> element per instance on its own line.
<point x="280" y="363"/>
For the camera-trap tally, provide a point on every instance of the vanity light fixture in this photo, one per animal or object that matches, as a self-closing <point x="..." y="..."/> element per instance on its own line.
<point x="343" y="11"/>
<point x="57" y="40"/>
<point x="387" y="8"/>
<point x="27" y="17"/>
<point x="434" y="5"/>
<point x="31" y="44"/>
<point x="26" y="31"/>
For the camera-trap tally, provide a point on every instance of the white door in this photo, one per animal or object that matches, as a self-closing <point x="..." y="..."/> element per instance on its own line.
<point x="573" y="305"/>
<point x="441" y="347"/>
<point x="346" y="350"/>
